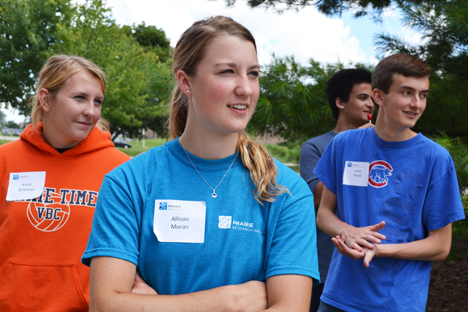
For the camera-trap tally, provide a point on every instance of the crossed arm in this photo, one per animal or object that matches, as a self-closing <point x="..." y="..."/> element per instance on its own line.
<point x="112" y="280"/>
<point x="364" y="242"/>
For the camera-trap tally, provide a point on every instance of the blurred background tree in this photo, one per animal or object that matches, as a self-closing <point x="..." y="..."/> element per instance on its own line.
<point x="138" y="76"/>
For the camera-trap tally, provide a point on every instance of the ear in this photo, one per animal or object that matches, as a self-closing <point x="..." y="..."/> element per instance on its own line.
<point x="184" y="82"/>
<point x="378" y="96"/>
<point x="339" y="103"/>
<point x="44" y="98"/>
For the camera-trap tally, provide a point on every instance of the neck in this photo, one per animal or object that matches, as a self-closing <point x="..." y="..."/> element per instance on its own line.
<point x="389" y="134"/>
<point x="343" y="124"/>
<point x="209" y="147"/>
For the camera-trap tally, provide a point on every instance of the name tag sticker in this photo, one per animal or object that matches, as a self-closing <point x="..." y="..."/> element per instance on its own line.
<point x="356" y="173"/>
<point x="25" y="185"/>
<point x="179" y="221"/>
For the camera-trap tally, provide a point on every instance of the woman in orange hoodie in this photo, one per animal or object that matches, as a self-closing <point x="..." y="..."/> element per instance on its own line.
<point x="50" y="180"/>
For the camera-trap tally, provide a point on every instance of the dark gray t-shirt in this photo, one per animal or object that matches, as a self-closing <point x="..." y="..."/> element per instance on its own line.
<point x="311" y="152"/>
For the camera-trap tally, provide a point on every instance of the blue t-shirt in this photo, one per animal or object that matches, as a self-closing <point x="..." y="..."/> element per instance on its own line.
<point x="253" y="241"/>
<point x="311" y="152"/>
<point x="412" y="185"/>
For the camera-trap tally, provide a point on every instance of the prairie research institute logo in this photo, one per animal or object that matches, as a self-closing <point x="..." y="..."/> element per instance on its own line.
<point x="163" y="206"/>
<point x="379" y="171"/>
<point x="225" y="222"/>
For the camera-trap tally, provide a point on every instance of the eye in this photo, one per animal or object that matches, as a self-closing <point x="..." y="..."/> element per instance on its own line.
<point x="79" y="97"/>
<point x="254" y="73"/>
<point x="227" y="71"/>
<point x="98" y="102"/>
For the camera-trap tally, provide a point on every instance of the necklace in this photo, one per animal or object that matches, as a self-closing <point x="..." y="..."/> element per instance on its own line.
<point x="214" y="195"/>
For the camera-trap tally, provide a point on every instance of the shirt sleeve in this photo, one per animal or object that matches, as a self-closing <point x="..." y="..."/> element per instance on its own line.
<point x="443" y="203"/>
<point x="326" y="167"/>
<point x="310" y="155"/>
<point x="291" y="235"/>
<point x="115" y="228"/>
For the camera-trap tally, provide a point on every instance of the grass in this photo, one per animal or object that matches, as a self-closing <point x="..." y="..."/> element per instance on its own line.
<point x="137" y="146"/>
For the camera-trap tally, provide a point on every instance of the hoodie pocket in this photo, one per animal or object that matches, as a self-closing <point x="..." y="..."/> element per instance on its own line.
<point x="41" y="287"/>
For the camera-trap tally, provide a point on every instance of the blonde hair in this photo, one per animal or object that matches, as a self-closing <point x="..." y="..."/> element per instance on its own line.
<point x="55" y="73"/>
<point x="189" y="51"/>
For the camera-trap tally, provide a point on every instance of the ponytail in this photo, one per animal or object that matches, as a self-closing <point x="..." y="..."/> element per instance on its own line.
<point x="262" y="169"/>
<point x="179" y="113"/>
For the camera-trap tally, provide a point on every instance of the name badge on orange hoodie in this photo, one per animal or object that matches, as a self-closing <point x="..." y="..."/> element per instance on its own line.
<point x="25" y="185"/>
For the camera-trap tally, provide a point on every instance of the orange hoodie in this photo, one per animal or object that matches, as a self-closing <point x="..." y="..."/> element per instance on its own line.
<point x="42" y="240"/>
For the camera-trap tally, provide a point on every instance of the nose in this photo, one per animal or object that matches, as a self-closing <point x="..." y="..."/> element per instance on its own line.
<point x="416" y="102"/>
<point x="244" y="87"/>
<point x="370" y="103"/>
<point x="89" y="109"/>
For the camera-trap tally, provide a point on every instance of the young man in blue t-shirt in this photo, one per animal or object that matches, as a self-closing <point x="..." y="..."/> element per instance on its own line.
<point x="396" y="195"/>
<point x="349" y="94"/>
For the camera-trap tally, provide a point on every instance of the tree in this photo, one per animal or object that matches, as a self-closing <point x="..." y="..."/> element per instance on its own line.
<point x="332" y="7"/>
<point x="28" y="34"/>
<point x="293" y="103"/>
<point x="160" y="78"/>
<point x="11" y="124"/>
<point x="152" y="39"/>
<point x="445" y="48"/>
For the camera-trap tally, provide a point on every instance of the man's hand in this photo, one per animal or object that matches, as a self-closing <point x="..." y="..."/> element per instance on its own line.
<point x="357" y="238"/>
<point x="367" y="253"/>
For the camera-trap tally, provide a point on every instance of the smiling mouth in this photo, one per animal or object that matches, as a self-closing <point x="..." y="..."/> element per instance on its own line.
<point x="238" y="106"/>
<point x="414" y="114"/>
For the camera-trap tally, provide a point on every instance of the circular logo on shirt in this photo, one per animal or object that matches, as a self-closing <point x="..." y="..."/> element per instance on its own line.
<point x="50" y="216"/>
<point x="379" y="171"/>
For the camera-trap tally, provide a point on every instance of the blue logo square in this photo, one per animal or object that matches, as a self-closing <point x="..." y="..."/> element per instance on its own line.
<point x="163" y="206"/>
<point x="15" y="176"/>
<point x="350" y="164"/>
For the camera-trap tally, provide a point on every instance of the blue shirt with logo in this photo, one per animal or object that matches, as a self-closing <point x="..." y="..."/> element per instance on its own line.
<point x="412" y="185"/>
<point x="244" y="240"/>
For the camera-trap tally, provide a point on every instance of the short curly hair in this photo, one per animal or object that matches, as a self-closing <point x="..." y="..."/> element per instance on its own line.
<point x="341" y="84"/>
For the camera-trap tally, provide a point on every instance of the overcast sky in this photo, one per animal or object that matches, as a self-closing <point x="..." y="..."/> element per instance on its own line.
<point x="305" y="34"/>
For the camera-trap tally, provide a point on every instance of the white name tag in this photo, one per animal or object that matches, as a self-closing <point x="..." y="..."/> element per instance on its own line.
<point x="356" y="173"/>
<point x="25" y="185"/>
<point x="179" y="221"/>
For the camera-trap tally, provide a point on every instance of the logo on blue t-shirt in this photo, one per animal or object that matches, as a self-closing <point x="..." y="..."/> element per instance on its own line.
<point x="225" y="222"/>
<point x="379" y="172"/>
<point x="163" y="206"/>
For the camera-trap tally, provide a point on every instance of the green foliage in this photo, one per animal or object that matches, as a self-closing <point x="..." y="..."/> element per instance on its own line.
<point x="287" y="152"/>
<point x="151" y="39"/>
<point x="459" y="152"/>
<point x="445" y="48"/>
<point x="138" y="83"/>
<point x="11" y="124"/>
<point x="28" y="35"/>
<point x="293" y="102"/>
<point x="331" y="7"/>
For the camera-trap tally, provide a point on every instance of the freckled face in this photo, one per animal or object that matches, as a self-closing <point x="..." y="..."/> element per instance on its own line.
<point x="225" y="89"/>
<point x="406" y="101"/>
<point x="359" y="104"/>
<point x="74" y="111"/>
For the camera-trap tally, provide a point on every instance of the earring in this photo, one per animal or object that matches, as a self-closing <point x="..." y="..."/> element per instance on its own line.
<point x="188" y="91"/>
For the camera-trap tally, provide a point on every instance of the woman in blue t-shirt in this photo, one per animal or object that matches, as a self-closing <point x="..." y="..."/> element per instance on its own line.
<point x="210" y="220"/>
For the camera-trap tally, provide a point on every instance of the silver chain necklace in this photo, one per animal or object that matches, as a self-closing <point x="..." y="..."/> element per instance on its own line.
<point x="214" y="195"/>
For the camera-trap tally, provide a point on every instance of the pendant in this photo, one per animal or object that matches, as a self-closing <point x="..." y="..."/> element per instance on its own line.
<point x="214" y="195"/>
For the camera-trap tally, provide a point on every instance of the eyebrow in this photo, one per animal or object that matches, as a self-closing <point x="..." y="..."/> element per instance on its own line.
<point x="412" y="89"/>
<point x="234" y="65"/>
